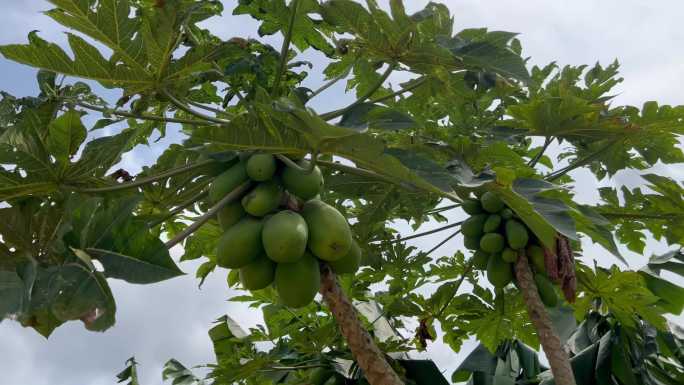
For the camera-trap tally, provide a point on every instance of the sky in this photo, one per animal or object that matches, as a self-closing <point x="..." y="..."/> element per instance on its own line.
<point x="170" y="319"/>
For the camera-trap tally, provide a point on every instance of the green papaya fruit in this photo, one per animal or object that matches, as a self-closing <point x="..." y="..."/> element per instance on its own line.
<point x="506" y="213"/>
<point x="319" y="376"/>
<point x="492" y="243"/>
<point x="263" y="199"/>
<point x="471" y="206"/>
<point x="258" y="274"/>
<point x="492" y="223"/>
<point x="480" y="260"/>
<point x="546" y="291"/>
<point x="297" y="283"/>
<point x="536" y="255"/>
<point x="350" y="263"/>
<point x="499" y="273"/>
<point x="301" y="184"/>
<point x="230" y="214"/>
<point x="509" y="255"/>
<point x="240" y="244"/>
<point x="516" y="234"/>
<point x="261" y="167"/>
<point x="473" y="226"/>
<point x="227" y="182"/>
<point x="471" y="243"/>
<point x="284" y="236"/>
<point x="329" y="235"/>
<point x="491" y="202"/>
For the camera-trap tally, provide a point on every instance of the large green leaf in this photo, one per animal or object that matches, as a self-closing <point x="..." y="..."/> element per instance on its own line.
<point x="66" y="133"/>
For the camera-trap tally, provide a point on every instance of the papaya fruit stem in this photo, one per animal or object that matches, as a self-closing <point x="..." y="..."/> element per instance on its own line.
<point x="558" y="358"/>
<point x="369" y="357"/>
<point x="234" y="195"/>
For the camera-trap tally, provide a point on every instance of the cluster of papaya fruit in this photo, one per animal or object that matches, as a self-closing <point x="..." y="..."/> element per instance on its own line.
<point x="280" y="229"/>
<point x="497" y="236"/>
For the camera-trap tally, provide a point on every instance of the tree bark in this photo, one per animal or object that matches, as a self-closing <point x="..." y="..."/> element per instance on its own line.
<point x="369" y="357"/>
<point x="558" y="359"/>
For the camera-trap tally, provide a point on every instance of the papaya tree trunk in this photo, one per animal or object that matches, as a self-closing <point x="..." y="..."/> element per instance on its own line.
<point x="558" y="359"/>
<point x="367" y="354"/>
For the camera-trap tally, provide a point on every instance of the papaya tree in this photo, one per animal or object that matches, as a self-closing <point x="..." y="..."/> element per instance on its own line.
<point x="301" y="206"/>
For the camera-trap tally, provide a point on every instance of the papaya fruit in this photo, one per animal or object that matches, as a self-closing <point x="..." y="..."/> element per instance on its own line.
<point x="471" y="243"/>
<point x="227" y="182"/>
<point x="263" y="199"/>
<point x="257" y="274"/>
<point x="536" y="255"/>
<point x="240" y="244"/>
<point x="473" y="226"/>
<point x="516" y="234"/>
<point x="546" y="291"/>
<point x="509" y="255"/>
<point x="492" y="223"/>
<point x="301" y="184"/>
<point x="261" y="167"/>
<point x="319" y="376"/>
<point x="297" y="283"/>
<point x="506" y="213"/>
<point x="230" y="214"/>
<point x="284" y="236"/>
<point x="480" y="260"/>
<point x="491" y="202"/>
<point x="492" y="243"/>
<point x="499" y="273"/>
<point x="350" y="263"/>
<point x="471" y="206"/>
<point x="329" y="235"/>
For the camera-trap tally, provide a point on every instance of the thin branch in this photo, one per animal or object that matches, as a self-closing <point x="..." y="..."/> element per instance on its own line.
<point x="290" y="163"/>
<point x="579" y="163"/>
<point x="128" y="114"/>
<point x="198" y="222"/>
<point x="533" y="162"/>
<point x="412" y="87"/>
<point x="208" y="108"/>
<point x="466" y="271"/>
<point x="442" y="209"/>
<point x="144" y="181"/>
<point x="285" y="48"/>
<point x="334" y="114"/>
<point x="659" y="216"/>
<point x="180" y="208"/>
<point x="330" y="83"/>
<point x="184" y="107"/>
<point x="447" y="239"/>
<point x="433" y="231"/>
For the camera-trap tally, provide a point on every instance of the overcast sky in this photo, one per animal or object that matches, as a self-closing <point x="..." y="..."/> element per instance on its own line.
<point x="170" y="319"/>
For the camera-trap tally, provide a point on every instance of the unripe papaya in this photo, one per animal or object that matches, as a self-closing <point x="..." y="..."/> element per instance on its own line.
<point x="506" y="213"/>
<point x="350" y="263"/>
<point x="546" y="291"/>
<point x="492" y="223"/>
<point x="516" y="234"/>
<point x="329" y="235"/>
<point x="509" y="255"/>
<point x="319" y="376"/>
<point x="301" y="184"/>
<point x="492" y="243"/>
<point x="263" y="199"/>
<point x="297" y="283"/>
<point x="471" y="206"/>
<point x="472" y="243"/>
<point x="491" y="202"/>
<point x="536" y="255"/>
<point x="227" y="182"/>
<point x="480" y="260"/>
<point x="284" y="236"/>
<point x="472" y="227"/>
<point x="230" y="214"/>
<point x="261" y="167"/>
<point x="499" y="273"/>
<point x="258" y="274"/>
<point x="240" y="244"/>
